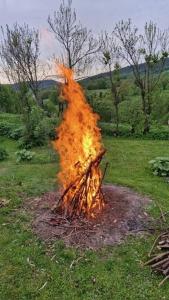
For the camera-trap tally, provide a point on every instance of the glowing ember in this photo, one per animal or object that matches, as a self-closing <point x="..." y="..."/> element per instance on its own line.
<point x="80" y="149"/>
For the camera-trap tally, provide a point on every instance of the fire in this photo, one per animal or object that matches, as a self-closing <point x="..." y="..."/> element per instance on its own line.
<point x="80" y="149"/>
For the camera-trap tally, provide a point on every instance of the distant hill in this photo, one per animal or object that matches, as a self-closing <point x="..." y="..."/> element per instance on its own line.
<point x="124" y="72"/>
<point x="43" y="84"/>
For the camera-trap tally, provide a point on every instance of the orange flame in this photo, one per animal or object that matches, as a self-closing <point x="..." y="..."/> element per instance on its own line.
<point x="78" y="144"/>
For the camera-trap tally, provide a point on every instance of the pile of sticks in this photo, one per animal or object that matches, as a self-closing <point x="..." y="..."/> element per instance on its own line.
<point x="159" y="256"/>
<point x="74" y="201"/>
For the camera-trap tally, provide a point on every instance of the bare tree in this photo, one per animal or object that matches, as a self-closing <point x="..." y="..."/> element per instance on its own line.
<point x="78" y="43"/>
<point x="20" y="56"/>
<point x="146" y="53"/>
<point x="110" y="59"/>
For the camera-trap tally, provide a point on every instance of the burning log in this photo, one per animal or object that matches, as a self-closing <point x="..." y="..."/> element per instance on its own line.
<point x="82" y="196"/>
<point x="80" y="149"/>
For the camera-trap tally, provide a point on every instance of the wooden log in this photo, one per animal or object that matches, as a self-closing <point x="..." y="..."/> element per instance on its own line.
<point x="156" y="258"/>
<point x="165" y="265"/>
<point x="166" y="272"/>
<point x="79" y="190"/>
<point x="162" y="282"/>
<point x="154" y="244"/>
<point x="165" y="246"/>
<point x="160" y="262"/>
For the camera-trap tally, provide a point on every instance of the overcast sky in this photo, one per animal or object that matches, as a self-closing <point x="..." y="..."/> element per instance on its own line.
<point x="95" y="14"/>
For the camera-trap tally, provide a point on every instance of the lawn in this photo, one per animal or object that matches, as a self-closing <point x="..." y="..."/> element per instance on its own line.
<point x="32" y="270"/>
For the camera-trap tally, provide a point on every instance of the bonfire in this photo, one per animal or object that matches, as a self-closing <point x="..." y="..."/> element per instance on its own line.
<point x="84" y="212"/>
<point x="81" y="150"/>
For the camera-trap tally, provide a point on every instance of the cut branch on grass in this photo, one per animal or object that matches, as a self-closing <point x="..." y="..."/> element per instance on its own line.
<point x="159" y="261"/>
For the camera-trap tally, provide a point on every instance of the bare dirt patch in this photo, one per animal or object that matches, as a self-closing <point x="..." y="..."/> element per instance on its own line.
<point x="124" y="214"/>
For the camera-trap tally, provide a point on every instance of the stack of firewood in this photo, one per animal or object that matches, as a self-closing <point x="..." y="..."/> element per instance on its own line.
<point x="159" y="256"/>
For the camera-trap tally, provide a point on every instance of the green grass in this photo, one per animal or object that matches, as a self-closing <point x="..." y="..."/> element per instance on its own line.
<point x="113" y="273"/>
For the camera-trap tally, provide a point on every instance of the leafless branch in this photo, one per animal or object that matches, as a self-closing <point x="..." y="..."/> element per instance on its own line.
<point x="78" y="43"/>
<point x="20" y="55"/>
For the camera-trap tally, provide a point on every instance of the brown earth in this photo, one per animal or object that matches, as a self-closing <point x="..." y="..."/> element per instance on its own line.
<point x="123" y="214"/>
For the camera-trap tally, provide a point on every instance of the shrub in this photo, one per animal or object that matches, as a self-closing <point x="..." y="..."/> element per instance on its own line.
<point x="5" y="128"/>
<point x="50" y="107"/>
<point x="104" y="108"/>
<point x="130" y="112"/>
<point x="24" y="155"/>
<point x="160" y="166"/>
<point x="125" y="131"/>
<point x="98" y="84"/>
<point x="3" y="154"/>
<point x="158" y="135"/>
<point x="16" y="134"/>
<point x="9" y="101"/>
<point x="109" y="129"/>
<point x="10" y="130"/>
<point x="35" y="132"/>
<point x="54" y="96"/>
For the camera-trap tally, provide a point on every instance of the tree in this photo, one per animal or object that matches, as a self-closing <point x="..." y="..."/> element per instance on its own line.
<point x="9" y="101"/>
<point x="109" y="57"/>
<point x="146" y="53"/>
<point x="20" y="56"/>
<point x="164" y="82"/>
<point x="77" y="42"/>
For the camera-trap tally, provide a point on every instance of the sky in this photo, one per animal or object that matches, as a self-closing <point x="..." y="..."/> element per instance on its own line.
<point x="95" y="14"/>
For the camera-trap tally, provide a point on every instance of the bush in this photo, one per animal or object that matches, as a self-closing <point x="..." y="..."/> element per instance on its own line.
<point x="5" y="128"/>
<point x="158" y="135"/>
<point x="24" y="155"/>
<point x="10" y="130"/>
<point x="125" y="131"/>
<point x="9" y="101"/>
<point x="3" y="154"/>
<point x="35" y="132"/>
<point x="160" y="166"/>
<point x="54" y="96"/>
<point x="110" y="129"/>
<point x="102" y="105"/>
<point x="16" y="134"/>
<point x="50" y="107"/>
<point x="130" y="112"/>
<point x="98" y="84"/>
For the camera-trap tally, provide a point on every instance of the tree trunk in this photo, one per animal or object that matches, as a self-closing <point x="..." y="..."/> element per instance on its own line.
<point x="115" y="99"/>
<point x="61" y="109"/>
<point x="146" y="115"/>
<point x="132" y="129"/>
<point x="38" y="100"/>
<point x="117" y="117"/>
<point x="146" y="125"/>
<point x="149" y="104"/>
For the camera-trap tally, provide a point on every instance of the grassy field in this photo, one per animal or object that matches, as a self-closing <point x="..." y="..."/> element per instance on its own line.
<point x="26" y="269"/>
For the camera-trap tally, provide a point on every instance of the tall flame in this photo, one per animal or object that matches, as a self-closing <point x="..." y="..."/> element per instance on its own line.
<point x="78" y="144"/>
